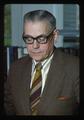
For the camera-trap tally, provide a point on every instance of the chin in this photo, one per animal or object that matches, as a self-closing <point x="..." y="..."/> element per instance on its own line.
<point x="37" y="58"/>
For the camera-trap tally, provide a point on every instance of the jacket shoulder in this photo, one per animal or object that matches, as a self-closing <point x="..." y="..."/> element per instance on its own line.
<point x="69" y="62"/>
<point x="65" y="57"/>
<point x="21" y="63"/>
<point x="22" y="60"/>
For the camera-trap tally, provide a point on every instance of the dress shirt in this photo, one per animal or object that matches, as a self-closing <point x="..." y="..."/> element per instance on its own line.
<point x="45" y="68"/>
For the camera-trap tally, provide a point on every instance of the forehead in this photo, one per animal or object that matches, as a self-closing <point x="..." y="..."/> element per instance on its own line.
<point x="38" y="26"/>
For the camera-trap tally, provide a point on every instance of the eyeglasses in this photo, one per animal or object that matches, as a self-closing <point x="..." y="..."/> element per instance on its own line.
<point x="42" y="39"/>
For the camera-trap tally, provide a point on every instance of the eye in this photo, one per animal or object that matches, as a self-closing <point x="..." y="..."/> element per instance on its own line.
<point x="42" y="38"/>
<point x="29" y="38"/>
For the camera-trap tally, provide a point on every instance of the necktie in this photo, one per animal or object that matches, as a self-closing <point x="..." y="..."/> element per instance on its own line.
<point x="36" y="89"/>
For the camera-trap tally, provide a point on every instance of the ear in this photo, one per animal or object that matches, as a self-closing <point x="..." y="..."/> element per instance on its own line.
<point x="56" y="34"/>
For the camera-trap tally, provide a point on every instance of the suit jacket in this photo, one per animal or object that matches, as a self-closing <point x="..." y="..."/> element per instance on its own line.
<point x="61" y="91"/>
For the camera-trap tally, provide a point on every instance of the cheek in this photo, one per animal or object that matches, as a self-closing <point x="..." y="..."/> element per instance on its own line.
<point x="47" y="48"/>
<point x="29" y="47"/>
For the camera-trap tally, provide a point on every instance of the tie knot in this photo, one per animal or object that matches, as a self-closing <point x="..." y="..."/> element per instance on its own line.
<point x="38" y="66"/>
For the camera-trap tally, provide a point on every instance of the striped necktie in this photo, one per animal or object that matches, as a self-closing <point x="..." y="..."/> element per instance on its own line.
<point x="36" y="89"/>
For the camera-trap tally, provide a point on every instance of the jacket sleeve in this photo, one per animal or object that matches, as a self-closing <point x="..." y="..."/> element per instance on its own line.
<point x="8" y="98"/>
<point x="77" y="92"/>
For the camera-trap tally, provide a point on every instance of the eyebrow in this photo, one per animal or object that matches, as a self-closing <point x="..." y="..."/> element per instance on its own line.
<point x="34" y="37"/>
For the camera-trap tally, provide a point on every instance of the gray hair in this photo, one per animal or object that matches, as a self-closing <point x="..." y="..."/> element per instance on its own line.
<point x="41" y="15"/>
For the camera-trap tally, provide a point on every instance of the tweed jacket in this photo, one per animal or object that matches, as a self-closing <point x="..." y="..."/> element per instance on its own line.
<point x="61" y="92"/>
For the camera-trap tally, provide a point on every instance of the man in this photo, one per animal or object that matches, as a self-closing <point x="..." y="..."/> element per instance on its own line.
<point x="58" y="86"/>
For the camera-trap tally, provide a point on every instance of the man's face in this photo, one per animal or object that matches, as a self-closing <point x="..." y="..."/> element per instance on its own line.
<point x="36" y="50"/>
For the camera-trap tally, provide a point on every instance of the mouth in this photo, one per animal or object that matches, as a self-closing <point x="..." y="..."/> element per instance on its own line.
<point x="36" y="52"/>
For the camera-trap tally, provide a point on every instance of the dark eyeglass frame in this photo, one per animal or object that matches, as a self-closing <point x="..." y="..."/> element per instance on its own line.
<point x="46" y="37"/>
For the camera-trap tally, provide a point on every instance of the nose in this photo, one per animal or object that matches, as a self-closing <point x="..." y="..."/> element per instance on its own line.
<point x="35" y="44"/>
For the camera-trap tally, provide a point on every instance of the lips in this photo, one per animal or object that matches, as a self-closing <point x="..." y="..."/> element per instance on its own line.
<point x="36" y="52"/>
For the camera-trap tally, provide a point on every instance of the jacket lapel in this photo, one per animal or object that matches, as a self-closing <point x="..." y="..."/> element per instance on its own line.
<point x="53" y="83"/>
